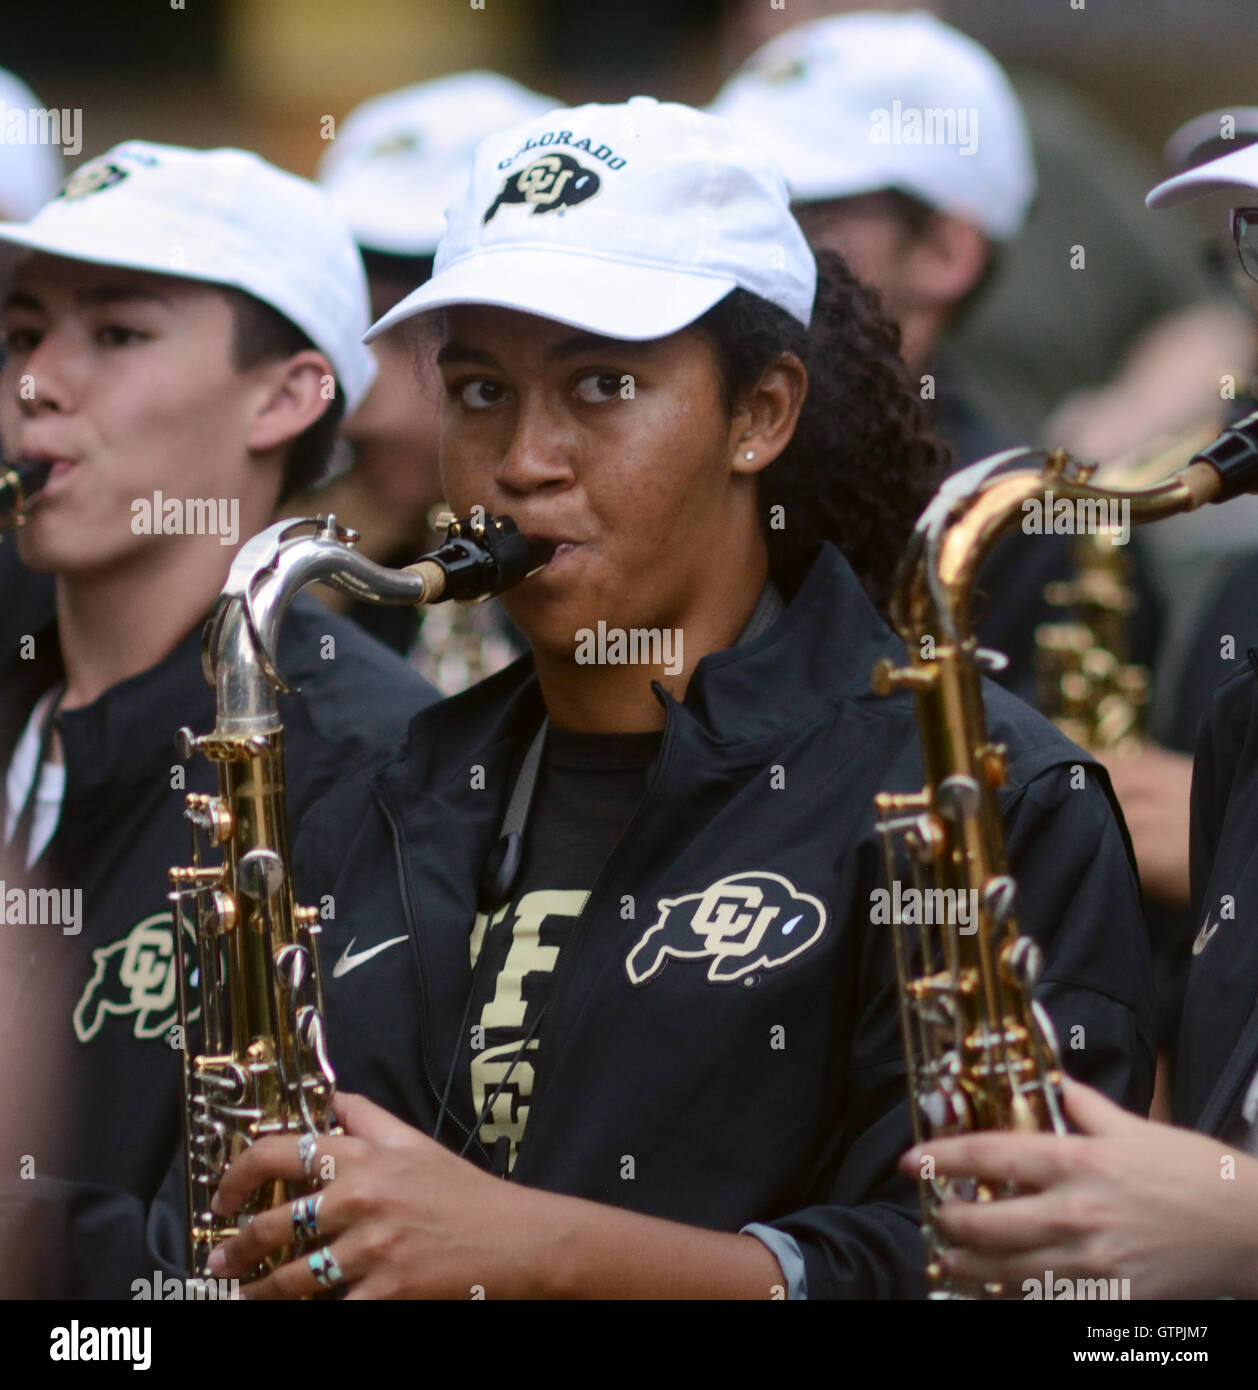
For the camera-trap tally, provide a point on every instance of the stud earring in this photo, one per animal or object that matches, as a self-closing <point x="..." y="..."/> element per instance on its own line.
<point x="750" y="455"/>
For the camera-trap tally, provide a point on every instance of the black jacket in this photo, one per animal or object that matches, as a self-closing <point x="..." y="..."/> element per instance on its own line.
<point x="1218" y="1048"/>
<point x="95" y="1010"/>
<point x="679" y="1071"/>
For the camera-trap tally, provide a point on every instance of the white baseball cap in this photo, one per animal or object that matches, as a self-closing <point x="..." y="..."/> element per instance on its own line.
<point x="1210" y="135"/>
<point x="1230" y="172"/>
<point x="400" y="159"/>
<point x="858" y="103"/>
<point x="629" y="221"/>
<point x="29" y="171"/>
<point x="226" y="217"/>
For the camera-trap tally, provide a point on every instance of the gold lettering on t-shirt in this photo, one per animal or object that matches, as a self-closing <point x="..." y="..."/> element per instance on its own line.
<point x="507" y="1009"/>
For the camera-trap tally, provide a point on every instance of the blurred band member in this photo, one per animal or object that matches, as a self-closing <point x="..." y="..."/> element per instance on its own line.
<point x="907" y="151"/>
<point x="1176" y="1213"/>
<point x="182" y="331"/>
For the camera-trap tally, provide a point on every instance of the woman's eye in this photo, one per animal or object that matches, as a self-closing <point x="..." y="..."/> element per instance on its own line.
<point x="21" y="339"/>
<point x="478" y="395"/>
<point x="598" y="387"/>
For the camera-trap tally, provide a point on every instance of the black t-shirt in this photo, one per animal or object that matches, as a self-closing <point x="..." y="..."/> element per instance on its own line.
<point x="588" y="787"/>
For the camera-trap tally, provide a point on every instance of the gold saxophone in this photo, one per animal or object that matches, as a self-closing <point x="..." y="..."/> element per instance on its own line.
<point x="1086" y="682"/>
<point x="980" y="1051"/>
<point x="264" y="1066"/>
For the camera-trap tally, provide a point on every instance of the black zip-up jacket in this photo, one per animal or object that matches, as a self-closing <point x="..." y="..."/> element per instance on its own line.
<point x="94" y="1011"/>
<point x="1218" y="1043"/>
<point x="681" y="1070"/>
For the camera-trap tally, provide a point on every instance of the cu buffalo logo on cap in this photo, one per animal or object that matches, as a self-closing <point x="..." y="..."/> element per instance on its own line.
<point x="92" y="178"/>
<point x="744" y="922"/>
<point x="550" y="182"/>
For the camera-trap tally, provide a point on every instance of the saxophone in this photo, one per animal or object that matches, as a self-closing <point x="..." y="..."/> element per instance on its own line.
<point x="1087" y="683"/>
<point x="980" y="1052"/>
<point x="264" y="1067"/>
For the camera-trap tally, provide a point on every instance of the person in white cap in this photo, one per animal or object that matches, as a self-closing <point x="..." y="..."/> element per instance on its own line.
<point x="634" y="871"/>
<point x="396" y="163"/>
<point x="907" y="151"/>
<point x="1172" y="1211"/>
<point x="177" y="354"/>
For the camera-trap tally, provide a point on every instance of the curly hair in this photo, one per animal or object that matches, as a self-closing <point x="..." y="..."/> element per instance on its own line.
<point x="862" y="463"/>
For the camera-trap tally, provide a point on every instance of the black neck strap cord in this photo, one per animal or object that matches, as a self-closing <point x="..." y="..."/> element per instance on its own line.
<point x="502" y="868"/>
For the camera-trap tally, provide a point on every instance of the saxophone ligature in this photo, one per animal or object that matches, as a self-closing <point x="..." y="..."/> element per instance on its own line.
<point x="19" y="482"/>
<point x="980" y="1050"/>
<point x="263" y="1067"/>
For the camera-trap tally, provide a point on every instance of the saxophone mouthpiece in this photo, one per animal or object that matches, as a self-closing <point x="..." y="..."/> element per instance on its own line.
<point x="19" y="482"/>
<point x="480" y="558"/>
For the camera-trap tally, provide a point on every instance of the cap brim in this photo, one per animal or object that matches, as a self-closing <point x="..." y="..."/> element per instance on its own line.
<point x="1237" y="170"/>
<point x="615" y="299"/>
<point x="96" y="250"/>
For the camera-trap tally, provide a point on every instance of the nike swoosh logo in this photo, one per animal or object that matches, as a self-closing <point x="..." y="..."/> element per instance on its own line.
<point x="1203" y="937"/>
<point x="350" y="962"/>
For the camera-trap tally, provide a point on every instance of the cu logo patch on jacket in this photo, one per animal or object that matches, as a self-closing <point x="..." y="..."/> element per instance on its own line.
<point x="135" y="978"/>
<point x="741" y="923"/>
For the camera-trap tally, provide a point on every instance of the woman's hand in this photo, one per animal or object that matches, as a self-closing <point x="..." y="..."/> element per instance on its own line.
<point x="403" y="1216"/>
<point x="1173" y="1211"/>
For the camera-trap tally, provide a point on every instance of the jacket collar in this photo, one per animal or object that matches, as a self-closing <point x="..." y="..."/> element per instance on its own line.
<point x="821" y="649"/>
<point x="115" y="742"/>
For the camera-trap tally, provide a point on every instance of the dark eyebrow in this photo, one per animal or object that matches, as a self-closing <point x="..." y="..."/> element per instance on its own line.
<point x="119" y="294"/>
<point x="18" y="300"/>
<point x="454" y="351"/>
<point x="89" y="298"/>
<point x="586" y="342"/>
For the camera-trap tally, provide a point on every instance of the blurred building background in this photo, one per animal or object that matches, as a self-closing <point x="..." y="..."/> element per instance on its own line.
<point x="263" y="73"/>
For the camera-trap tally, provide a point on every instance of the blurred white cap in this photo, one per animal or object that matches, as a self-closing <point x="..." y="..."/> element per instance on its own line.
<point x="29" y="171"/>
<point x="400" y="159"/>
<point x="857" y="103"/>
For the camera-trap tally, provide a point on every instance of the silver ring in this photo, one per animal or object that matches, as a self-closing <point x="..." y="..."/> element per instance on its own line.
<point x="306" y="1218"/>
<point x="323" y="1266"/>
<point x="306" y="1146"/>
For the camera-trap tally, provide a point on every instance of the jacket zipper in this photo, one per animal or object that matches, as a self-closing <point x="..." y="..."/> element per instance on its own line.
<point x="570" y="951"/>
<point x="408" y="906"/>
